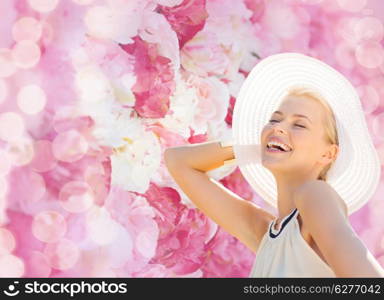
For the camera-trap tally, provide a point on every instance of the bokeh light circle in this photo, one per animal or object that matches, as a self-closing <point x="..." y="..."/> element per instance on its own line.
<point x="11" y="126"/>
<point x="63" y="254"/>
<point x="369" y="28"/>
<point x="43" y="6"/>
<point x="49" y="226"/>
<point x="26" y="54"/>
<point x="27" y="28"/>
<point x="76" y="196"/>
<point x="345" y="29"/>
<point x="370" y="54"/>
<point x="20" y="151"/>
<point x="31" y="99"/>
<point x="69" y="146"/>
<point x="11" y="266"/>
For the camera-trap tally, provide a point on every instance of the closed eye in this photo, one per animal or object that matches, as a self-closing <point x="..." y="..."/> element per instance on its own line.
<point x="295" y="124"/>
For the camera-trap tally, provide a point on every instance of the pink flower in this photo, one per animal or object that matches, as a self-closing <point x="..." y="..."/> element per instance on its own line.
<point x="213" y="101"/>
<point x="154" y="82"/>
<point x="155" y="29"/>
<point x="257" y="7"/>
<point x="184" y="232"/>
<point x="186" y="19"/>
<point x="204" y="56"/>
<point x="227" y="257"/>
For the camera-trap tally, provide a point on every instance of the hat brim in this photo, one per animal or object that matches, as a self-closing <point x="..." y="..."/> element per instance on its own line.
<point x="355" y="173"/>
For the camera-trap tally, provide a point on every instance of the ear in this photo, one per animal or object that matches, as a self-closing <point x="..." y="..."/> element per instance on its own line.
<point x="330" y="154"/>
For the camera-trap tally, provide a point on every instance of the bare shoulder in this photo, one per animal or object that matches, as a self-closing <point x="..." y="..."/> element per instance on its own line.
<point x="331" y="236"/>
<point x="319" y="195"/>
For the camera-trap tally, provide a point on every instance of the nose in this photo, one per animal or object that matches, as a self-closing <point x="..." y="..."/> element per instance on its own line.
<point x="279" y="128"/>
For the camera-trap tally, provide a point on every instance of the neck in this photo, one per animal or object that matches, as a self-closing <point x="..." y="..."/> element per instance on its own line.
<point x="286" y="186"/>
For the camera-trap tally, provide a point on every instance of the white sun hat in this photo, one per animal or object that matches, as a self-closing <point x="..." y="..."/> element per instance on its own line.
<point x="355" y="173"/>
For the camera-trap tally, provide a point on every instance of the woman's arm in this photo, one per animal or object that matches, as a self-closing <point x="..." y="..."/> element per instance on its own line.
<point x="188" y="166"/>
<point x="323" y="213"/>
<point x="202" y="157"/>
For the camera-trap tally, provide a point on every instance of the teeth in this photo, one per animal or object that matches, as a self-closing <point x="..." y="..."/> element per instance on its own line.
<point x="285" y="147"/>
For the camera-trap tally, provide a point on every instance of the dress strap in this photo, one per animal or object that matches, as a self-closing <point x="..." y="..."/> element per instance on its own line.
<point x="273" y="233"/>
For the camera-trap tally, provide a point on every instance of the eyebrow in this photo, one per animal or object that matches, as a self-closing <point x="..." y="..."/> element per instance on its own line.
<point x="295" y="115"/>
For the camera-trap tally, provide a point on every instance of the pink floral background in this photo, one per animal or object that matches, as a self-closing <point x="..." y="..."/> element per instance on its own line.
<point x="93" y="91"/>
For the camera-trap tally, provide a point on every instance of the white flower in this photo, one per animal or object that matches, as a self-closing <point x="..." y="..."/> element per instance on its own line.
<point x="92" y="85"/>
<point x="123" y="89"/>
<point x="183" y="105"/>
<point x="137" y="154"/>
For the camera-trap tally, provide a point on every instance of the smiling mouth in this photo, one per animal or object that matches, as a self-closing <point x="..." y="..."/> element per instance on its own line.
<point x="276" y="149"/>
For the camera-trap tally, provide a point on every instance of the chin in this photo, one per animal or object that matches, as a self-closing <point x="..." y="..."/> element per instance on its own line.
<point x="275" y="158"/>
<point x="274" y="165"/>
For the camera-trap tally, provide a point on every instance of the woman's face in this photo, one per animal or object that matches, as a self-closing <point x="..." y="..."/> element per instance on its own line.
<point x="305" y="135"/>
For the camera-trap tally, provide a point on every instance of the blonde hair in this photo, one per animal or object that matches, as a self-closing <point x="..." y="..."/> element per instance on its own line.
<point x="330" y="122"/>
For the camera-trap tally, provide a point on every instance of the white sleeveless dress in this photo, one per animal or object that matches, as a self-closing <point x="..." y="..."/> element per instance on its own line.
<point x="285" y="253"/>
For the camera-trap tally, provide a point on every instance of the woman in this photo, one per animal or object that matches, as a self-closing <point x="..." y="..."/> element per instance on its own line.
<point x="300" y="144"/>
